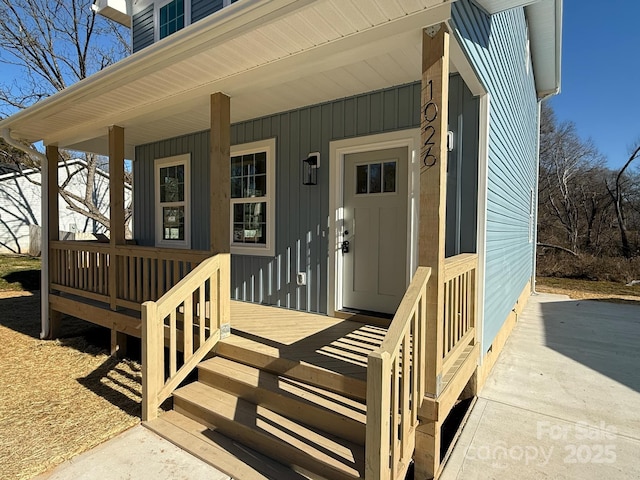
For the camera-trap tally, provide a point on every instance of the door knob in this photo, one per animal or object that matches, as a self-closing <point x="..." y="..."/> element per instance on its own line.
<point x="345" y="246"/>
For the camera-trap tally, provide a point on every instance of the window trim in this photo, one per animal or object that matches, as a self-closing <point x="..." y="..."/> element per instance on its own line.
<point x="268" y="249"/>
<point x="159" y="163"/>
<point x="156" y="17"/>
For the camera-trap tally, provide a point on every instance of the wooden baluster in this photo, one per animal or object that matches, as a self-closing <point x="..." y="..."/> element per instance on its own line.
<point x="202" y="313"/>
<point x="188" y="327"/>
<point x="139" y="279"/>
<point x="153" y="279"/>
<point x="173" y="343"/>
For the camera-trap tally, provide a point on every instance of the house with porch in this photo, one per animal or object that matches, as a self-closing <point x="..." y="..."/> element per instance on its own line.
<point x="334" y="218"/>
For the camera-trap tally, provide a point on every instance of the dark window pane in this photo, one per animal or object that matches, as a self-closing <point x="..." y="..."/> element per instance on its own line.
<point x="260" y="185"/>
<point x="238" y="232"/>
<point x="261" y="163"/>
<point x="236" y="166"/>
<point x="247" y="165"/>
<point x="236" y="187"/>
<point x="362" y="178"/>
<point x="238" y="213"/>
<point x="173" y="223"/>
<point x="375" y="183"/>
<point x="249" y="223"/>
<point x="389" y="177"/>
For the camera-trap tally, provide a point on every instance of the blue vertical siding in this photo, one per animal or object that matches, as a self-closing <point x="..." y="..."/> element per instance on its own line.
<point x="142" y="29"/>
<point x="301" y="211"/>
<point x="496" y="46"/>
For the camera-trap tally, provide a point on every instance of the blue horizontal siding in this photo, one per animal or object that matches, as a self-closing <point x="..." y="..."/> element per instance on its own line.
<point x="497" y="47"/>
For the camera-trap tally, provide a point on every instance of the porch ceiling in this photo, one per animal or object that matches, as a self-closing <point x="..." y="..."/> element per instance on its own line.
<point x="267" y="56"/>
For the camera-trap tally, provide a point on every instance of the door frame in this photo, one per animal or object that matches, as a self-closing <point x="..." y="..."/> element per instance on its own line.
<point x="338" y="149"/>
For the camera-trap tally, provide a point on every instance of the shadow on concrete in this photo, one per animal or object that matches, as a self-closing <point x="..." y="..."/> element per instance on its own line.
<point x="600" y="335"/>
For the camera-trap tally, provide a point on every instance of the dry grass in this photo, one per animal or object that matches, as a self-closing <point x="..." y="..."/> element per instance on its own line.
<point x="19" y="272"/>
<point x="57" y="398"/>
<point x="588" y="289"/>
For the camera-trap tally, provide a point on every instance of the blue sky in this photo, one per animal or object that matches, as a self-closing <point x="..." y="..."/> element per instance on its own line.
<point x="601" y="74"/>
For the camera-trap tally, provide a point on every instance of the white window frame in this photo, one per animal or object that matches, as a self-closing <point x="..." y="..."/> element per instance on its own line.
<point x="268" y="249"/>
<point x="170" y="162"/>
<point x="156" y="17"/>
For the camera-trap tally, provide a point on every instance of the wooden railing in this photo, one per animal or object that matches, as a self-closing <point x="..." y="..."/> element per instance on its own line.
<point x="396" y="385"/>
<point x="459" y="307"/>
<point x="192" y="315"/>
<point x="137" y="274"/>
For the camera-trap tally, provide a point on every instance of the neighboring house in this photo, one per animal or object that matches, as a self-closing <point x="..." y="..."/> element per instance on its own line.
<point x="20" y="205"/>
<point x="349" y="161"/>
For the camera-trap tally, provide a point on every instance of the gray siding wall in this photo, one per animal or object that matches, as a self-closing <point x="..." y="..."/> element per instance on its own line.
<point x="142" y="27"/>
<point x="496" y="46"/>
<point x="196" y="144"/>
<point x="301" y="211"/>
<point x="202" y="8"/>
<point x="462" y="170"/>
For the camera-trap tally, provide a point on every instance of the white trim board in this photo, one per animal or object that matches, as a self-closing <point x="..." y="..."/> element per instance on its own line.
<point x="337" y="151"/>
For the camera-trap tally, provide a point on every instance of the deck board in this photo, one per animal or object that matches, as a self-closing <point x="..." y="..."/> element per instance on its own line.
<point x="330" y="343"/>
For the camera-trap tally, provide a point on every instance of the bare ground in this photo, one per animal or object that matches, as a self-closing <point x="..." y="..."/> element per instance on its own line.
<point x="57" y="398"/>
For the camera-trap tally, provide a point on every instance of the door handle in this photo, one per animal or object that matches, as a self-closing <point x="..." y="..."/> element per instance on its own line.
<point x="345" y="246"/>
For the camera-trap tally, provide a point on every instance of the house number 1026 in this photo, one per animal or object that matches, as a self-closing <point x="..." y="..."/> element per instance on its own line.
<point x="429" y="116"/>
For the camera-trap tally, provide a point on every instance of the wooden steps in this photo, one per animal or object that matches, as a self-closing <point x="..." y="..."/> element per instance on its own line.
<point x="253" y="424"/>
<point x="311" y="405"/>
<point x="306" y="372"/>
<point x="228" y="456"/>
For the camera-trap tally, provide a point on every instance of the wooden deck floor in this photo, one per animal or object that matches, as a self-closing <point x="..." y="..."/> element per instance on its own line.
<point x="329" y="343"/>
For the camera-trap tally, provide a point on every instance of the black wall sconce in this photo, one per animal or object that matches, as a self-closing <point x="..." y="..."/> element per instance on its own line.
<point x="310" y="169"/>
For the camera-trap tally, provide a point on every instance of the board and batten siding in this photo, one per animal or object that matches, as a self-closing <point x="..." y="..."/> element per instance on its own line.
<point x="497" y="48"/>
<point x="302" y="212"/>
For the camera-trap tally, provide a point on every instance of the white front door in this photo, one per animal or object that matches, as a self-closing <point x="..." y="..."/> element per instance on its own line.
<point x="375" y="227"/>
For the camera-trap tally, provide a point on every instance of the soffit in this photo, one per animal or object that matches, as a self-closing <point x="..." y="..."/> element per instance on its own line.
<point x="298" y="53"/>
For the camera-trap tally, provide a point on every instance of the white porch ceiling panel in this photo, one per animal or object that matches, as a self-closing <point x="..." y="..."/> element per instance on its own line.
<point x="267" y="56"/>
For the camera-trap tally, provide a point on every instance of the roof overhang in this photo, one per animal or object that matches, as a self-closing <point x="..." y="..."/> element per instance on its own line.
<point x="267" y="56"/>
<point x="545" y="33"/>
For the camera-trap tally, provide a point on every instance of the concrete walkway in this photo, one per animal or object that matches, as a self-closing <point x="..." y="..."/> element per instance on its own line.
<point x="563" y="401"/>
<point x="136" y="454"/>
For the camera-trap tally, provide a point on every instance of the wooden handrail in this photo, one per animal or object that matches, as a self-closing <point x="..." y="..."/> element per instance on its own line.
<point x="396" y="385"/>
<point x="195" y="311"/>
<point x="121" y="275"/>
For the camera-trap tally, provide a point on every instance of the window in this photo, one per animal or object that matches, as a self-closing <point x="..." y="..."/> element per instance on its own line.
<point x="253" y="198"/>
<point x="172" y="195"/>
<point x="379" y="177"/>
<point x="171" y="16"/>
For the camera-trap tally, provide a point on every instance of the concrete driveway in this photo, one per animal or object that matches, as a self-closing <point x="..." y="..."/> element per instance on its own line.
<point x="563" y="401"/>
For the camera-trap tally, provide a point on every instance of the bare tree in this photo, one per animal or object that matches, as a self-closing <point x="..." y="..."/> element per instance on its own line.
<point x="51" y="44"/>
<point x="619" y="190"/>
<point x="569" y="168"/>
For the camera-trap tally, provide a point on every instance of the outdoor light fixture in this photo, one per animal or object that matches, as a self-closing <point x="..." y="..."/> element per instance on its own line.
<point x="310" y="169"/>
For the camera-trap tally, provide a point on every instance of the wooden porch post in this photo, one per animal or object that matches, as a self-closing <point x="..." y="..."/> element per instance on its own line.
<point x="53" y="222"/>
<point x="116" y="224"/>
<point x="433" y="178"/>
<point x="220" y="174"/>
